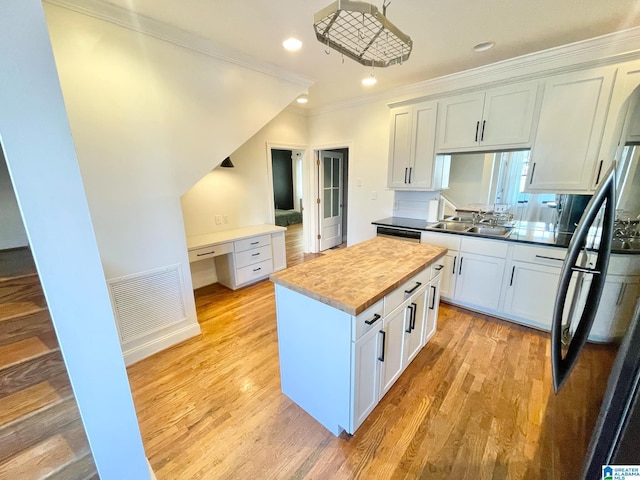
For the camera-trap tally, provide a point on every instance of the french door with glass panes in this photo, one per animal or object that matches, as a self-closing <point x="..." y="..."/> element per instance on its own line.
<point x="330" y="177"/>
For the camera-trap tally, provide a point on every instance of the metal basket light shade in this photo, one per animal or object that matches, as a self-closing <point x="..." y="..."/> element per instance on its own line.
<point x="359" y="31"/>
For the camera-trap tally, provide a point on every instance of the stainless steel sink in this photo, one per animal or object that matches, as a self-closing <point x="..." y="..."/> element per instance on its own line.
<point x="498" y="231"/>
<point x="454" y="226"/>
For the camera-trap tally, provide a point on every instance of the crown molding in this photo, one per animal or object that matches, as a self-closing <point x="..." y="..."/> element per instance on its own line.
<point x="153" y="28"/>
<point x="607" y="49"/>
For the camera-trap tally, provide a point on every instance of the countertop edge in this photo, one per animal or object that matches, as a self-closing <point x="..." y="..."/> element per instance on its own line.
<point x="208" y="239"/>
<point x="359" y="308"/>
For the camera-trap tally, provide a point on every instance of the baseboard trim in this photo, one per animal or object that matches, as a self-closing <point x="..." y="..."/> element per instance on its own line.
<point x="155" y="345"/>
<point x="151" y="473"/>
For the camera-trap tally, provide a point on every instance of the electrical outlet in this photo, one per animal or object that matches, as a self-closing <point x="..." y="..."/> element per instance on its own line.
<point x="395" y="205"/>
<point x="374" y="195"/>
<point x="226" y="219"/>
<point x="218" y="219"/>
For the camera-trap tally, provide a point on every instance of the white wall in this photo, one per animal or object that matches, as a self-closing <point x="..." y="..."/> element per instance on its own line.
<point x="365" y="130"/>
<point x="243" y="193"/>
<point x="40" y="156"/>
<point x="12" y="232"/>
<point x="149" y="119"/>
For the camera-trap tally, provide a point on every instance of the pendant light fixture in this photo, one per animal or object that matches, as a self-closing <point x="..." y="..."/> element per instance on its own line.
<point x="359" y="31"/>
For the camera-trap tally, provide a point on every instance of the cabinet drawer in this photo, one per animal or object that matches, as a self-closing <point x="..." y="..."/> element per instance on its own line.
<point x="490" y="248"/>
<point x="399" y="295"/>
<point x="254" y="272"/>
<point x="252" y="242"/>
<point x="211" y="251"/>
<point x="253" y="256"/>
<point x="372" y="315"/>
<point x="436" y="268"/>
<point x="543" y="256"/>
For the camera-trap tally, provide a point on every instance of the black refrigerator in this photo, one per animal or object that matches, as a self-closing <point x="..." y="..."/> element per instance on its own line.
<point x="594" y="423"/>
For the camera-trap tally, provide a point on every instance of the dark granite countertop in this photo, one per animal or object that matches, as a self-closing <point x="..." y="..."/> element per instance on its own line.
<point x="536" y="233"/>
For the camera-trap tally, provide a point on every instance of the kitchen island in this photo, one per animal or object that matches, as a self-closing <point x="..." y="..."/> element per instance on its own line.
<point x="350" y="322"/>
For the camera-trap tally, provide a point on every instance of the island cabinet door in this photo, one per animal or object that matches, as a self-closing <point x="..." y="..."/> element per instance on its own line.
<point x="366" y="381"/>
<point x="433" y="304"/>
<point x="391" y="355"/>
<point x="414" y="325"/>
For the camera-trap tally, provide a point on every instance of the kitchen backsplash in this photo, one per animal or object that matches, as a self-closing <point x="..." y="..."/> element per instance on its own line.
<point x="413" y="204"/>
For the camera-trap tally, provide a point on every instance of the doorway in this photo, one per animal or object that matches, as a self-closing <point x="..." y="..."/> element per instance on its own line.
<point x="332" y="171"/>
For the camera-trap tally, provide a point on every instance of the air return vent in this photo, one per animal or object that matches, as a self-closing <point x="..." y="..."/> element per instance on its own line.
<point x="148" y="302"/>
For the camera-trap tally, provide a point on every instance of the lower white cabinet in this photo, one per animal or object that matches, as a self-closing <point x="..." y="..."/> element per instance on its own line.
<point x="448" y="276"/>
<point x="414" y="325"/>
<point x="479" y="271"/>
<point x="433" y="303"/>
<point x="391" y="355"/>
<point x="366" y="369"/>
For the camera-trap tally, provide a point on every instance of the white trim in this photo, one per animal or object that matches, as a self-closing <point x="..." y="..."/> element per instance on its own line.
<point x="151" y="472"/>
<point x="155" y="345"/>
<point x="607" y="49"/>
<point x="162" y="31"/>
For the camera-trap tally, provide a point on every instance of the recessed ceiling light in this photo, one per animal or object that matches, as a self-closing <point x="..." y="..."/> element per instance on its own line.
<point x="483" y="47"/>
<point x="292" y="44"/>
<point x="368" y="81"/>
<point x="302" y="99"/>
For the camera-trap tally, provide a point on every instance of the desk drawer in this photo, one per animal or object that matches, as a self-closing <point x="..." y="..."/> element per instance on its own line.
<point x="252" y="242"/>
<point x="255" y="255"/>
<point x="210" y="251"/>
<point x="254" y="272"/>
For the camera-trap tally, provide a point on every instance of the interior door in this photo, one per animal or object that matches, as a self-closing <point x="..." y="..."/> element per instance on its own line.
<point x="330" y="177"/>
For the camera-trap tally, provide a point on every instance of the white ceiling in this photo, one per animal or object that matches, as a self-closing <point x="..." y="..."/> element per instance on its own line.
<point x="443" y="34"/>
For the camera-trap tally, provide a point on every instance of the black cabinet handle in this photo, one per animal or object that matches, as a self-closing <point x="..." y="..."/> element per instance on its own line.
<point x="533" y="171"/>
<point x="477" y="128"/>
<point x="411" y="313"/>
<point x="482" y="134"/>
<point x="413" y="317"/>
<point x="513" y="270"/>
<point x="405" y="175"/>
<point x="255" y="254"/>
<point x="257" y="269"/>
<point x="460" y="269"/>
<point x="439" y="267"/>
<point x="203" y="254"/>
<point x="410" y="172"/>
<point x="375" y="318"/>
<point x="599" y="172"/>
<point x="453" y="271"/>
<point x="550" y="258"/>
<point x="254" y="243"/>
<point x="408" y="292"/>
<point x="433" y="298"/>
<point x="384" y="339"/>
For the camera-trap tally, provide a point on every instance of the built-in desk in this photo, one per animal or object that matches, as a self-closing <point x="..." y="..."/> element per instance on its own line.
<point x="242" y="255"/>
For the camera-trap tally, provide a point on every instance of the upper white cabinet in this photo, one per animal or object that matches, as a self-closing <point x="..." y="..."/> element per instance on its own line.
<point x="564" y="158"/>
<point x="497" y="118"/>
<point x="412" y="163"/>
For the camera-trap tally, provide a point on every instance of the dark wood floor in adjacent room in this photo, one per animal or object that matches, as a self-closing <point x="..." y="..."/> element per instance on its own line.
<point x="470" y="406"/>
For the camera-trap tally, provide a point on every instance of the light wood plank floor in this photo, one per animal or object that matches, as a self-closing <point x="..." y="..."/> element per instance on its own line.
<point x="474" y="404"/>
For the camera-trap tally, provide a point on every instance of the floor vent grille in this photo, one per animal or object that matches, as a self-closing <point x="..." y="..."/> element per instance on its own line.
<point x="148" y="302"/>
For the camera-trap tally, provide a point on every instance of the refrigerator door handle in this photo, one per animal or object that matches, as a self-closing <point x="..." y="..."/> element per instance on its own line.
<point x="562" y="366"/>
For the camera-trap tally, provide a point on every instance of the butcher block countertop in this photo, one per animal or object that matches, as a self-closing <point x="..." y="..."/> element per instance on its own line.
<point x="354" y="278"/>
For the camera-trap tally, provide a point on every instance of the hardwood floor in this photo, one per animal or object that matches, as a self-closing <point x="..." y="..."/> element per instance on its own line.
<point x="294" y="246"/>
<point x="476" y="403"/>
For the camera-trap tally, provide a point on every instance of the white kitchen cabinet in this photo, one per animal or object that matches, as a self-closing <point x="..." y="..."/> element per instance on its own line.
<point x="412" y="162"/>
<point x="497" y="118"/>
<point x="433" y="304"/>
<point x="479" y="280"/>
<point x="564" y="158"/>
<point x="414" y="326"/>
<point x="391" y="357"/>
<point x="617" y="304"/>
<point x="450" y="260"/>
<point x="366" y="376"/>
<point x="532" y="283"/>
<point x="479" y="274"/>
